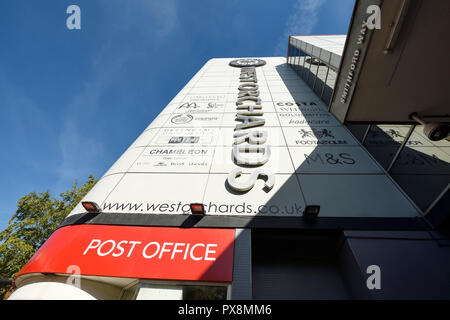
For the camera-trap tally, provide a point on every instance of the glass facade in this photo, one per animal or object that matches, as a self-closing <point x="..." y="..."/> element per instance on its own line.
<point x="317" y="73"/>
<point x="421" y="167"/>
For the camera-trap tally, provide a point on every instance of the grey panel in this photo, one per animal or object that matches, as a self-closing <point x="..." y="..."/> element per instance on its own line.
<point x="415" y="269"/>
<point x="306" y="279"/>
<point x="297" y="265"/>
<point x="241" y="288"/>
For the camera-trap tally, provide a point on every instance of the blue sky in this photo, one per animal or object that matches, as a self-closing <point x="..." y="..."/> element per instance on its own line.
<point x="72" y="101"/>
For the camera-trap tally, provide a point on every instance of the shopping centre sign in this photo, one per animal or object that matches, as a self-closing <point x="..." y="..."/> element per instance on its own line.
<point x="247" y="140"/>
<point x="239" y="63"/>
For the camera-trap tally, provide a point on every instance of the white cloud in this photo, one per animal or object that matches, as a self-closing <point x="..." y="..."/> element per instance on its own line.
<point x="301" y="21"/>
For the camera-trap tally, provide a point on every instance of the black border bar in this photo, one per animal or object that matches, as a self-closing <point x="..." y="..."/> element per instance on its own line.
<point x="266" y="222"/>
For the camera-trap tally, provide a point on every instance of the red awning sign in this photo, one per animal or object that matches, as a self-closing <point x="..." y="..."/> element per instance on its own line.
<point x="138" y="252"/>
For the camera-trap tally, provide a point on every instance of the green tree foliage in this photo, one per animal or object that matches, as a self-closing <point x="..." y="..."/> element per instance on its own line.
<point x="37" y="216"/>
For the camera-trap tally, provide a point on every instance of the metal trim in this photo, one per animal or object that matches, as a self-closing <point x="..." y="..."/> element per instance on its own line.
<point x="400" y="149"/>
<point x="253" y="222"/>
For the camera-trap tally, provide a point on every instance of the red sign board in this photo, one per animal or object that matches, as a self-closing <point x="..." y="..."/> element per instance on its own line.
<point x="138" y="252"/>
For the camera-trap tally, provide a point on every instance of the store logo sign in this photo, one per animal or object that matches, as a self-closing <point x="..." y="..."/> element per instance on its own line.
<point x="188" y="140"/>
<point x="189" y="105"/>
<point x="322" y="133"/>
<point x="242" y="63"/>
<point x="182" y="119"/>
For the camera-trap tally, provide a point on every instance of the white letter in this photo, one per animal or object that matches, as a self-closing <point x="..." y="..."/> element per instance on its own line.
<point x="73" y="21"/>
<point x="132" y="247"/>
<point x="207" y="251"/>
<point x="248" y="93"/>
<point x="263" y="149"/>
<point x="374" y="281"/>
<point x="192" y="251"/>
<point x="100" y="248"/>
<point x="163" y="248"/>
<point x="248" y="86"/>
<point x="248" y="122"/>
<point x="254" y="99"/>
<point x="250" y="112"/>
<point x="175" y="249"/>
<point x="254" y="137"/>
<point x="91" y="246"/>
<point x="120" y="248"/>
<point x="186" y="252"/>
<point x="245" y="186"/>
<point x="148" y="245"/>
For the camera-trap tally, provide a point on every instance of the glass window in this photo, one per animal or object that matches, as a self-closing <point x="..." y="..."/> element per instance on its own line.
<point x="130" y="293"/>
<point x="422" y="168"/>
<point x="205" y="293"/>
<point x="329" y="86"/>
<point x="306" y="66"/>
<point x="358" y="130"/>
<point x="296" y="57"/>
<point x="298" y="63"/>
<point x="383" y="141"/>
<point x="156" y="291"/>
<point x="320" y="79"/>
<point x="313" y="66"/>
<point x="291" y="53"/>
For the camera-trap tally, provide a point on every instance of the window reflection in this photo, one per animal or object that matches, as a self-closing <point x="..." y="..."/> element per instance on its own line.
<point x="422" y="168"/>
<point x="320" y="80"/>
<point x="155" y="291"/>
<point x="383" y="142"/>
<point x="317" y="74"/>
<point x="313" y="67"/>
<point x="329" y="86"/>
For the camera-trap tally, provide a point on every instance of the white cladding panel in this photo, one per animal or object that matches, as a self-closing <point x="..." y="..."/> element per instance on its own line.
<point x="185" y="155"/>
<point x="332" y="43"/>
<point x="328" y="48"/>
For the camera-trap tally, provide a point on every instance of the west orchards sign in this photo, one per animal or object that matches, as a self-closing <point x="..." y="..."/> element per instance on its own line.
<point x="247" y="140"/>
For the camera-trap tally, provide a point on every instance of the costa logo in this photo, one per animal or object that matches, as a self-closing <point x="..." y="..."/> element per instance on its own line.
<point x="240" y="63"/>
<point x="182" y="118"/>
